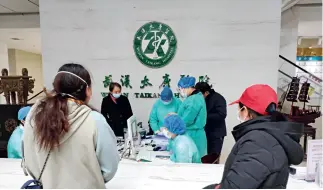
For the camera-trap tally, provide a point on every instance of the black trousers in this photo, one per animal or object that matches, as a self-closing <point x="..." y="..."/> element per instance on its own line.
<point x="214" y="145"/>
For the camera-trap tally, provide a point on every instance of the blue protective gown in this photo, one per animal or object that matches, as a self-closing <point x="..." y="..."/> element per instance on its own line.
<point x="184" y="150"/>
<point x="15" y="143"/>
<point x="160" y="111"/>
<point x="193" y="112"/>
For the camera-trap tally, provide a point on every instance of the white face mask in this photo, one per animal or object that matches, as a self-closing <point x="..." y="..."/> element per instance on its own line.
<point x="167" y="103"/>
<point x="166" y="134"/>
<point x="116" y="95"/>
<point x="238" y="116"/>
<point x="183" y="93"/>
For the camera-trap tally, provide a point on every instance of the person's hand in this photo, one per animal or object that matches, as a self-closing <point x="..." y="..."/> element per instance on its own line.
<point x="159" y="133"/>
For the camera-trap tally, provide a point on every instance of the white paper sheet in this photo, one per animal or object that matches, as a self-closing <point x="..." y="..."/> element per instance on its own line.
<point x="314" y="156"/>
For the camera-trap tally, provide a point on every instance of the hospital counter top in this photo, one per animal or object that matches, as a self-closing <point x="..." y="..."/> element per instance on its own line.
<point x="132" y="175"/>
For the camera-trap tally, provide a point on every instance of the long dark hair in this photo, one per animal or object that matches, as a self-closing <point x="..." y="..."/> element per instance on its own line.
<point x="271" y="110"/>
<point x="51" y="114"/>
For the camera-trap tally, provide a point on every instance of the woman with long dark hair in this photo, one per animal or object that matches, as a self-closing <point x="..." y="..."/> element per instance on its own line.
<point x="67" y="144"/>
<point x="266" y="144"/>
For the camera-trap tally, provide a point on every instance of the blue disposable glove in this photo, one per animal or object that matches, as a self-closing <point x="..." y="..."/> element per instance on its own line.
<point x="160" y="148"/>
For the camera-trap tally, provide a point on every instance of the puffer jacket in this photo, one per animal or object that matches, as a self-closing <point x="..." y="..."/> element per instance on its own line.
<point x="262" y="154"/>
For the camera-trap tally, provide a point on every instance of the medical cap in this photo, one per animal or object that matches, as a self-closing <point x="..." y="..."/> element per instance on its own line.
<point x="186" y="82"/>
<point x="23" y="112"/>
<point x="166" y="94"/>
<point x="175" y="124"/>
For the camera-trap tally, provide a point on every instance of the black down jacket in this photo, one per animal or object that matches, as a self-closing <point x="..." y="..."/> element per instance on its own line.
<point x="216" y="113"/>
<point x="263" y="152"/>
<point x="116" y="114"/>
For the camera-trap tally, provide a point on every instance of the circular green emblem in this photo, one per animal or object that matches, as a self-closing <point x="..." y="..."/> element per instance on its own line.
<point x="155" y="44"/>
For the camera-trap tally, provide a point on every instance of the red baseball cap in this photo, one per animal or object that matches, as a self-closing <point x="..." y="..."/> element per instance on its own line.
<point x="258" y="97"/>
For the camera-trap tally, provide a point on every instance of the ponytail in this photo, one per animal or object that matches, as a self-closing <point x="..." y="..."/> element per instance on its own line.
<point x="271" y="110"/>
<point x="51" y="121"/>
<point x="274" y="114"/>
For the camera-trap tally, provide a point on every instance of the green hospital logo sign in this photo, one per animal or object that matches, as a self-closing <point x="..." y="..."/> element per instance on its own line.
<point x="155" y="44"/>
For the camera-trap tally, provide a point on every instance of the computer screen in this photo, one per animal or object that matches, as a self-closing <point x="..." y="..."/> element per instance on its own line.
<point x="132" y="126"/>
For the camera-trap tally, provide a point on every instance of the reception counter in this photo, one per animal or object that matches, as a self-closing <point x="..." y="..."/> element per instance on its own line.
<point x="132" y="175"/>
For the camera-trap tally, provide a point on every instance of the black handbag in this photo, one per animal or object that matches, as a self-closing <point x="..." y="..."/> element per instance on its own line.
<point x="35" y="183"/>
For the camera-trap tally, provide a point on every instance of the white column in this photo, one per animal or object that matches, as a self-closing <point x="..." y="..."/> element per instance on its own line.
<point x="288" y="49"/>
<point x="288" y="39"/>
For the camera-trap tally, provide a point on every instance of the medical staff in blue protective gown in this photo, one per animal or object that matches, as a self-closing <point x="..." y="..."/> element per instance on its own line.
<point x="15" y="141"/>
<point x="162" y="107"/>
<point x="193" y="112"/>
<point x="182" y="147"/>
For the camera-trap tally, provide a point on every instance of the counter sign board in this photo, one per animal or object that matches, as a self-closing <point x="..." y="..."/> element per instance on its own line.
<point x="155" y="44"/>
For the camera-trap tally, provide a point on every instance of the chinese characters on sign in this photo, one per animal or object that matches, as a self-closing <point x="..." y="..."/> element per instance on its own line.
<point x="204" y="79"/>
<point x="184" y="76"/>
<point x="107" y="81"/>
<point x="125" y="81"/>
<point x="145" y="83"/>
<point x="166" y="80"/>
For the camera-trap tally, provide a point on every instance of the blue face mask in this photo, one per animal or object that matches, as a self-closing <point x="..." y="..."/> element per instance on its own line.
<point x="116" y="95"/>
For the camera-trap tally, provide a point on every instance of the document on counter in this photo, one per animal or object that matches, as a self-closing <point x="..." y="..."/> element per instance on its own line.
<point x="314" y="156"/>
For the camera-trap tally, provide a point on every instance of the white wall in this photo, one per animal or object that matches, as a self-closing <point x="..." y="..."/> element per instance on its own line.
<point x="33" y="62"/>
<point x="234" y="42"/>
<point x="310" y="21"/>
<point x="289" y="33"/>
<point x="288" y="38"/>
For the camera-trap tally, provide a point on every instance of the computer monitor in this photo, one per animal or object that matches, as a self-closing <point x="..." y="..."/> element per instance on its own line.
<point x="132" y="127"/>
<point x="132" y="133"/>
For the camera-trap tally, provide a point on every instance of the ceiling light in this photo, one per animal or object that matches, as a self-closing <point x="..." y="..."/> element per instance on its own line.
<point x="15" y="38"/>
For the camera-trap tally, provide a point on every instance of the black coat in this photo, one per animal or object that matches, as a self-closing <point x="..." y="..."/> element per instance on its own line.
<point x="216" y="107"/>
<point x="263" y="152"/>
<point x="116" y="114"/>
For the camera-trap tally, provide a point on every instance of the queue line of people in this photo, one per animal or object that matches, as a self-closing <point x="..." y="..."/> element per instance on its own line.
<point x="67" y="144"/>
